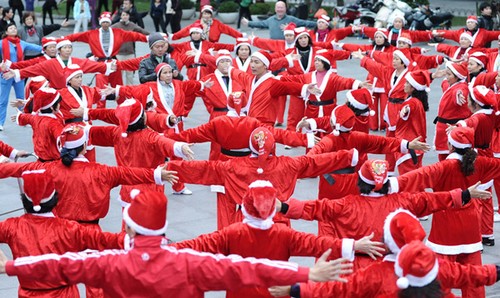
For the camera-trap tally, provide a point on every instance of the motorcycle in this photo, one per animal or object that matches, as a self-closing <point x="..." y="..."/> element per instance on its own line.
<point x="388" y="10"/>
<point x="424" y="18"/>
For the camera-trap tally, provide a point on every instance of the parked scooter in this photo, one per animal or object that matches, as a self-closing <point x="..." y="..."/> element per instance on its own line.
<point x="389" y="10"/>
<point x="424" y="18"/>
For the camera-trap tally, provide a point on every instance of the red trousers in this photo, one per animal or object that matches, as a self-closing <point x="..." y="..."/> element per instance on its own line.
<point x="486" y="209"/>
<point x="296" y="110"/>
<point x="377" y="121"/>
<point x="465" y="259"/>
<point x="390" y="157"/>
<point x="92" y="292"/>
<point x="227" y="211"/>
<point x="408" y="165"/>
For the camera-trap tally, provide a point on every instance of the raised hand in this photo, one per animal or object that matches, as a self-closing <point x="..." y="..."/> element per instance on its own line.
<point x="325" y="270"/>
<point x="188" y="153"/>
<point x="169" y="176"/>
<point x="372" y="248"/>
<point x="9" y="74"/>
<point x="477" y="193"/>
<point x="415" y="144"/>
<point x="303" y="124"/>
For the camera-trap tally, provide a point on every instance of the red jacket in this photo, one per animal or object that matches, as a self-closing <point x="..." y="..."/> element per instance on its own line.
<point x="71" y="100"/>
<point x="7" y="151"/>
<point x="416" y="36"/>
<point x="216" y="30"/>
<point x="411" y="124"/>
<point x="484" y="123"/>
<point x="480" y="38"/>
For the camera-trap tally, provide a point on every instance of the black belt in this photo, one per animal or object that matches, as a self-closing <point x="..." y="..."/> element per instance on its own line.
<point x="89" y="222"/>
<point x="45" y="160"/>
<point x="234" y="153"/>
<point x="194" y="65"/>
<point x="446" y="121"/>
<point x="73" y="120"/>
<point x="225" y="109"/>
<point x="106" y="59"/>
<point x="483" y="146"/>
<point x="328" y="177"/>
<point x="396" y="100"/>
<point x="321" y="103"/>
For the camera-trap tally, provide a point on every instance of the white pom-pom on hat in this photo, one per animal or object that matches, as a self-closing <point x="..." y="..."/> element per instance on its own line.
<point x="402" y="283"/>
<point x="372" y="113"/>
<point x="37" y="208"/>
<point x="134" y="193"/>
<point x="260" y="170"/>
<point x="124" y="134"/>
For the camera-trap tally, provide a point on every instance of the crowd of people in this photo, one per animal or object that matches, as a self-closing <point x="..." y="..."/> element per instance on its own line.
<point x="370" y="242"/>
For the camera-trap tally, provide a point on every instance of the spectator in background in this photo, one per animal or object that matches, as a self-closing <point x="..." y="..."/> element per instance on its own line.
<point x="7" y="19"/>
<point x="135" y="17"/>
<point x="81" y="14"/>
<point x="127" y="50"/>
<point x="244" y="11"/>
<point x="173" y="15"/>
<point x="276" y="22"/>
<point x="32" y="33"/>
<point x="17" y="5"/>
<point x="30" y="5"/>
<point x="161" y="52"/>
<point x="100" y="4"/>
<point x="157" y="10"/>
<point x="47" y="9"/>
<point x="69" y="5"/>
<point x="486" y="19"/>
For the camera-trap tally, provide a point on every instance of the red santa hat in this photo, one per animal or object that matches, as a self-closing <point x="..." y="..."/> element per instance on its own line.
<point x="159" y="67"/>
<point x="71" y="71"/>
<point x="105" y="17"/>
<point x="128" y="113"/>
<point x="44" y="98"/>
<point x="47" y="41"/>
<point x="236" y="101"/>
<point x="300" y="31"/>
<point x="207" y="8"/>
<point x="34" y="84"/>
<point x="461" y="137"/>
<point x="147" y="96"/>
<point x="361" y="99"/>
<point x="405" y="37"/>
<point x="260" y="200"/>
<point x="480" y="58"/>
<point x="289" y="29"/>
<point x="324" y="18"/>
<point x="400" y="228"/>
<point x="61" y="42"/>
<point x="471" y="19"/>
<point x="458" y="69"/>
<point x="382" y="32"/>
<point x="342" y="119"/>
<point x="416" y="265"/>
<point x="483" y="96"/>
<point x="374" y="172"/>
<point x="264" y="57"/>
<point x="147" y="212"/>
<point x="72" y="136"/>
<point x="38" y="187"/>
<point x="196" y="28"/>
<point x="325" y="55"/>
<point x="419" y="79"/>
<point x="404" y="55"/>
<point x="223" y="54"/>
<point x="262" y="143"/>
<point x="467" y="36"/>
<point x="240" y="41"/>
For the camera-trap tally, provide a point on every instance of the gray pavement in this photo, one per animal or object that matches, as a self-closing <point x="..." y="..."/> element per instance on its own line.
<point x="190" y="216"/>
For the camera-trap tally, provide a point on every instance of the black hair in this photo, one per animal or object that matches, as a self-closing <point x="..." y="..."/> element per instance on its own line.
<point x="366" y="188"/>
<point x="328" y="28"/>
<point x="432" y="290"/>
<point x="4" y="35"/>
<point x="28" y="14"/>
<point x="357" y="112"/>
<point x="45" y="207"/>
<point x="6" y="11"/>
<point x="326" y="66"/>
<point x="51" y="109"/>
<point x="309" y="44"/>
<point x="139" y="125"/>
<point x="468" y="159"/>
<point x="67" y="155"/>
<point x="131" y="2"/>
<point x="125" y="11"/>
<point x="379" y="47"/>
<point x="484" y="5"/>
<point x="422" y="96"/>
<point x="475" y="104"/>
<point x="249" y="48"/>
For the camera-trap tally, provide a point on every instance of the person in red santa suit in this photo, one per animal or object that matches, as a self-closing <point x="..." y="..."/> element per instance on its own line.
<point x="357" y="215"/>
<point x="476" y="66"/>
<point x="457" y="53"/>
<point x="138" y="146"/>
<point x="10" y="152"/>
<point x="283" y="171"/>
<point x="46" y="122"/>
<point x="396" y="30"/>
<point x="212" y="28"/>
<point x="493" y="63"/>
<point x="242" y="50"/>
<point x="53" y="69"/>
<point x="456" y="234"/>
<point x="49" y="52"/>
<point x="39" y="232"/>
<point x="480" y="36"/>
<point x="324" y="34"/>
<point x="32" y="85"/>
<point x="163" y="270"/>
<point x="275" y="242"/>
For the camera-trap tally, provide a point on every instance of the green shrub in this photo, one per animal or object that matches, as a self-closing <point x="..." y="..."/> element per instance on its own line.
<point x="187" y="4"/>
<point x="260" y="9"/>
<point x="228" y="6"/>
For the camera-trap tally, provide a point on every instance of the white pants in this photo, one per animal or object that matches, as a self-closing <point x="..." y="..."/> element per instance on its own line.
<point x="127" y="76"/>
<point x="79" y="22"/>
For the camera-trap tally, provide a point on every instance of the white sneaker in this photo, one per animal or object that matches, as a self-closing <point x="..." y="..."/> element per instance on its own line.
<point x="495" y="209"/>
<point x="288" y="147"/>
<point x="496" y="217"/>
<point x="1" y="128"/>
<point x="185" y="191"/>
<point x="423" y="218"/>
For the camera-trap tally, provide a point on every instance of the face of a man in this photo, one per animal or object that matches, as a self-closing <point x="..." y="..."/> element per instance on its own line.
<point x="280" y="8"/>
<point x="50" y="50"/>
<point x="223" y="65"/>
<point x="125" y="17"/>
<point x="159" y="48"/>
<point x="258" y="68"/>
<point x="127" y="5"/>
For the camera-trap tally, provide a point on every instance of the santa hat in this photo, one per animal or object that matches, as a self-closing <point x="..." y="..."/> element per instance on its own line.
<point x="44" y="98"/>
<point x="236" y="101"/>
<point x="47" y="41"/>
<point x="342" y="119"/>
<point x="461" y="137"/>
<point x="382" y="32"/>
<point x="241" y="42"/>
<point x="458" y="69"/>
<point x="300" y="31"/>
<point x="361" y="99"/>
<point x="207" y="8"/>
<point x="196" y="28"/>
<point x="374" y="172"/>
<point x="289" y="29"/>
<point x="34" y="84"/>
<point x="105" y="17"/>
<point x="260" y="200"/>
<point x="400" y="228"/>
<point x="38" y="187"/>
<point x="471" y="19"/>
<point x="419" y="79"/>
<point x="402" y="18"/>
<point x="147" y="213"/>
<point x="146" y="95"/>
<point x="71" y="71"/>
<point x="72" y="136"/>
<point x="264" y="57"/>
<point x="483" y="95"/>
<point x="480" y="58"/>
<point x="325" y="55"/>
<point x="128" y="113"/>
<point x="405" y="37"/>
<point x="61" y="42"/>
<point x="404" y="55"/>
<point x="416" y="265"/>
<point x="262" y="143"/>
<point x="467" y="36"/>
<point x="223" y="54"/>
<point x="324" y="18"/>
<point x="159" y="67"/>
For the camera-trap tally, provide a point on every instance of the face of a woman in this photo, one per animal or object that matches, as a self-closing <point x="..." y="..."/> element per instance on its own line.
<point x="398" y="23"/>
<point x="473" y="66"/>
<point x="396" y="62"/>
<point x="379" y="39"/>
<point x="76" y="81"/>
<point x="322" y="25"/>
<point x="29" y="21"/>
<point x="66" y="51"/>
<point x="11" y="31"/>
<point x="166" y="75"/>
<point x="304" y="40"/>
<point x="408" y="88"/>
<point x="10" y="14"/>
<point x="318" y="64"/>
<point x="206" y="17"/>
<point x="243" y="52"/>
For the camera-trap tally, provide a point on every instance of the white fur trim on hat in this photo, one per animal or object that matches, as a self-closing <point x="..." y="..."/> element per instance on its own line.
<point x="195" y="29"/>
<point x="410" y="280"/>
<point x="368" y="181"/>
<point x="73" y="74"/>
<point x="476" y="60"/>
<point x="63" y="43"/>
<point x="449" y="65"/>
<point x="140" y="229"/>
<point x="76" y="143"/>
<point x="402" y="56"/>
<point x="285" y="32"/>
<point x="388" y="239"/>
<point x="467" y="36"/>
<point x="404" y="39"/>
<point x="262" y="58"/>
<point x="260" y="183"/>
<point x="355" y="103"/>
<point x="52" y="102"/>
<point x="414" y="83"/>
<point x="104" y="19"/>
<point x="457" y="144"/>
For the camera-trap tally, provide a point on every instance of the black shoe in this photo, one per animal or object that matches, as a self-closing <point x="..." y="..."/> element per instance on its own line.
<point x="279" y="124"/>
<point x="487" y="241"/>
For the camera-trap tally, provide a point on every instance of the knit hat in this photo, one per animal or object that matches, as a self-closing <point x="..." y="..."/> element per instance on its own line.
<point x="483" y="95"/>
<point x="342" y="119"/>
<point x="71" y="71"/>
<point x="47" y="41"/>
<point x="458" y="69"/>
<point x="461" y="137"/>
<point x="34" y="84"/>
<point x="61" y="42"/>
<point x="361" y="99"/>
<point x="300" y="31"/>
<point x="236" y="101"/>
<point x="161" y="66"/>
<point x="480" y="58"/>
<point x="262" y="143"/>
<point x="196" y="28"/>
<point x="38" y="187"/>
<point x="164" y="35"/>
<point x="400" y="228"/>
<point x="374" y="172"/>
<point x="405" y="37"/>
<point x="105" y="17"/>
<point x="402" y="18"/>
<point x="223" y="54"/>
<point x="289" y="29"/>
<point x="260" y="199"/>
<point x="381" y="31"/>
<point x="325" y="55"/>
<point x="264" y="57"/>
<point x="324" y="18"/>
<point x="44" y="98"/>
<point x="72" y="136"/>
<point x="155" y="38"/>
<point x="207" y="8"/>
<point x="467" y="36"/>
<point x="128" y="113"/>
<point x="404" y="55"/>
<point x="416" y="265"/>
<point x="147" y="213"/>
<point x="241" y="42"/>
<point x="419" y="79"/>
<point x="471" y="19"/>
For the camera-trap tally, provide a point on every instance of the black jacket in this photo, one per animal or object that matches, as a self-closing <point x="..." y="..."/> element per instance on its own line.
<point x="148" y="65"/>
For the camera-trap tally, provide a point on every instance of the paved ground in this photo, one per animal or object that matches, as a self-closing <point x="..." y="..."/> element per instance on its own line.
<point x="190" y="216"/>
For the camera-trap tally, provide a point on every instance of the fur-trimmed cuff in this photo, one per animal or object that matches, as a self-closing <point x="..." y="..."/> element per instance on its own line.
<point x="85" y="114"/>
<point x="304" y="93"/>
<point x="394" y="184"/>
<point x="462" y="123"/>
<point x="202" y="85"/>
<point x="178" y="149"/>
<point x="310" y="139"/>
<point x="157" y="176"/>
<point x="356" y="84"/>
<point x="312" y="124"/>
<point x="348" y="249"/>
<point x="355" y="157"/>
<point x="295" y="208"/>
<point x="108" y="69"/>
<point x="17" y="117"/>
<point x="404" y="146"/>
<point x="456" y="197"/>
<point x="17" y="75"/>
<point x="290" y="60"/>
<point x="8" y="63"/>
<point x="13" y="154"/>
